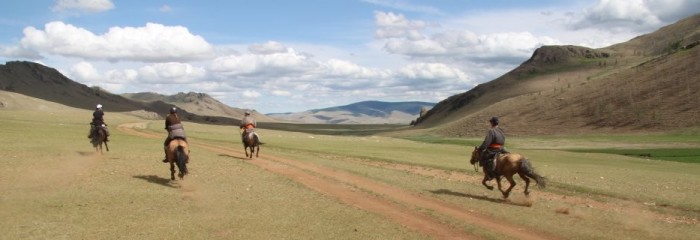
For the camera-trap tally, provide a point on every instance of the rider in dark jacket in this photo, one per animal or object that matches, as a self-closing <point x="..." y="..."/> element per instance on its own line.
<point x="174" y="128"/>
<point x="98" y="121"/>
<point x="493" y="144"/>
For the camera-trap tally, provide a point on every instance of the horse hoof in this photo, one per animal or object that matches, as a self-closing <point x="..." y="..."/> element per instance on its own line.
<point x="490" y="188"/>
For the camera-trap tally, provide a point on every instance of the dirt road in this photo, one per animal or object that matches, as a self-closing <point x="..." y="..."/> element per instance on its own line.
<point x="396" y="204"/>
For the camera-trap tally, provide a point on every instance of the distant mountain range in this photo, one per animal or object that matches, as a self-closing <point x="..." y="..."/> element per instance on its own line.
<point x="36" y="80"/>
<point x="367" y="112"/>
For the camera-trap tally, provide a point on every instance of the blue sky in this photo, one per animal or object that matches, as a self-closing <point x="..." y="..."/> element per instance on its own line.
<point x="290" y="56"/>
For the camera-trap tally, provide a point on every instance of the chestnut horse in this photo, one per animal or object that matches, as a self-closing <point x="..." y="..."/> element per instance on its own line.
<point x="178" y="154"/>
<point x="508" y="164"/>
<point x="251" y="141"/>
<point x="99" y="137"/>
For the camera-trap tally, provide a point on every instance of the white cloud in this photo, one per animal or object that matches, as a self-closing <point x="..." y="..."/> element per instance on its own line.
<point x="270" y="47"/>
<point x="391" y="25"/>
<point x="172" y="72"/>
<point x="83" y="5"/>
<point x="281" y="93"/>
<point x="289" y="63"/>
<point x="85" y="72"/>
<point x="432" y="71"/>
<point x="251" y="94"/>
<point x="19" y="52"/>
<point x="151" y="43"/>
<point x="635" y="15"/>
<point x="165" y="8"/>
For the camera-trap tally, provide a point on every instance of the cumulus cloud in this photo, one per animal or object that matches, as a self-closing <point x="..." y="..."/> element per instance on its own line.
<point x="83" y="5"/>
<point x="391" y="25"/>
<point x="19" y="52"/>
<point x="270" y="47"/>
<point x="281" y="93"/>
<point x="151" y="43"/>
<point x="85" y="72"/>
<point x="251" y="94"/>
<point x="289" y="63"/>
<point x="637" y="15"/>
<point x="172" y="72"/>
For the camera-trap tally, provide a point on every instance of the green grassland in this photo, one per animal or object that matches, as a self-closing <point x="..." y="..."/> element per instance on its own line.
<point x="54" y="186"/>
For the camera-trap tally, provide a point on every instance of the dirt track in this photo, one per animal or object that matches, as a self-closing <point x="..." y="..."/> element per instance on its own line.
<point x="399" y="205"/>
<point x="392" y="202"/>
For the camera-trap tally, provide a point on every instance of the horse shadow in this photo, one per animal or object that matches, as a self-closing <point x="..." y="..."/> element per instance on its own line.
<point x="156" y="179"/>
<point x="236" y="157"/>
<point x="483" y="198"/>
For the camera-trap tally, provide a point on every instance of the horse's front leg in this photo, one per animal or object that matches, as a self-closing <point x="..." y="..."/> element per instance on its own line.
<point x="172" y="170"/>
<point x="486" y="179"/>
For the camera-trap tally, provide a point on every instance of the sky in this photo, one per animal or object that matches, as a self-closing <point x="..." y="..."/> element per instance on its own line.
<point x="277" y="56"/>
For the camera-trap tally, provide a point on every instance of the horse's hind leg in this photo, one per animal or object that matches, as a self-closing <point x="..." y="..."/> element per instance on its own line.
<point x="172" y="170"/>
<point x="257" y="150"/>
<point x="107" y="147"/>
<point x="527" y="183"/>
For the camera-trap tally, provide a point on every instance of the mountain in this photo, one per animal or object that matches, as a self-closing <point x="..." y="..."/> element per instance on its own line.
<point x="647" y="84"/>
<point x="367" y="112"/>
<point x="38" y="81"/>
<point x="197" y="103"/>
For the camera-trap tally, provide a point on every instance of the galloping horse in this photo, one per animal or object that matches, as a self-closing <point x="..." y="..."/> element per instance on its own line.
<point x="508" y="164"/>
<point x="178" y="154"/>
<point x="98" y="138"/>
<point x="251" y="141"/>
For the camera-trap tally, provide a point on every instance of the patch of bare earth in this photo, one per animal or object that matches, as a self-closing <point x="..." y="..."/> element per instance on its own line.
<point x="399" y="205"/>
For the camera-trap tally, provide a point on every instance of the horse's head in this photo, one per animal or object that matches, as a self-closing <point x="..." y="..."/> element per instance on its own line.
<point x="475" y="155"/>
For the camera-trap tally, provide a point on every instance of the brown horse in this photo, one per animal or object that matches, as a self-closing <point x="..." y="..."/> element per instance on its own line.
<point x="178" y="154"/>
<point x="99" y="137"/>
<point x="508" y="164"/>
<point x="251" y="141"/>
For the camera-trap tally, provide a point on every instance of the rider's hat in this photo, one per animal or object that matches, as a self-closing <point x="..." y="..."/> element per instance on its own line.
<point x="494" y="120"/>
<point x="99" y="106"/>
<point x="247" y="112"/>
<point x="173" y="110"/>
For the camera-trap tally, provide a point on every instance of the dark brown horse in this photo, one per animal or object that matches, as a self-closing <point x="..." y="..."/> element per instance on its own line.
<point x="178" y="154"/>
<point x="99" y="137"/>
<point x="508" y="164"/>
<point x="251" y="141"/>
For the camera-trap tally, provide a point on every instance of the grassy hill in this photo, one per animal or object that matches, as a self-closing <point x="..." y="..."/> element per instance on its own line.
<point x="647" y="84"/>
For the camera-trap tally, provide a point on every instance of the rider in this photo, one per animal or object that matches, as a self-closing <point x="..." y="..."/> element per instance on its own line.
<point x="492" y="145"/>
<point x="248" y="125"/>
<point x="174" y="128"/>
<point x="98" y="121"/>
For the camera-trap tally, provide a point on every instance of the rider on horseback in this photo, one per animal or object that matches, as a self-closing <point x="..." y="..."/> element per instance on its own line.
<point x="248" y="125"/>
<point x="175" y="130"/>
<point x="98" y="122"/>
<point x="492" y="145"/>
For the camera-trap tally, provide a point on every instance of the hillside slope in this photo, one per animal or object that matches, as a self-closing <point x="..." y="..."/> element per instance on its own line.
<point x="650" y="83"/>
<point x="38" y="81"/>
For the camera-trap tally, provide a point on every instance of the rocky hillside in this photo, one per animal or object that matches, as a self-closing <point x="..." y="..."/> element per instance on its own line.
<point x="38" y="81"/>
<point x="647" y="84"/>
<point x="367" y="112"/>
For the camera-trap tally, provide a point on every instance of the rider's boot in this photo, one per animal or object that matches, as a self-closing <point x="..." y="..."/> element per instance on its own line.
<point x="165" y="150"/>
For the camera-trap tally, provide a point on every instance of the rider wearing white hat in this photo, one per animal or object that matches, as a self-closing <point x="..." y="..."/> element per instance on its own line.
<point x="98" y="121"/>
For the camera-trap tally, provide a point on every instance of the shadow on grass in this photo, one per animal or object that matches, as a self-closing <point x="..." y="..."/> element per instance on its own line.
<point x="156" y="179"/>
<point x="236" y="157"/>
<point x="483" y="198"/>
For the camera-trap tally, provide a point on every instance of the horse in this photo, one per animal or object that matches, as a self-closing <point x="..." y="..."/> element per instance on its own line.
<point x="251" y="141"/>
<point x="178" y="154"/>
<point x="508" y="164"/>
<point x="99" y="137"/>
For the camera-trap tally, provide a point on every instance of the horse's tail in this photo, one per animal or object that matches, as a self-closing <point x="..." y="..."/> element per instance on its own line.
<point x="529" y="171"/>
<point x="181" y="158"/>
